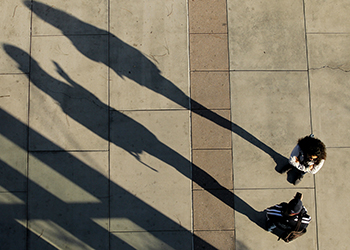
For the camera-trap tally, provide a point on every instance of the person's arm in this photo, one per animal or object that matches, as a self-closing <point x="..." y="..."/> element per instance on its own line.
<point x="316" y="168"/>
<point x="294" y="160"/>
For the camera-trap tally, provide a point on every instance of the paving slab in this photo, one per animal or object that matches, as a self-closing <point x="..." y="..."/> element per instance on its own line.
<point x="73" y="91"/>
<point x="327" y="16"/>
<point x="152" y="240"/>
<point x="14" y="30"/>
<point x="148" y="55"/>
<point x="207" y="16"/>
<point x="329" y="83"/>
<point x="208" y="52"/>
<point x="332" y="190"/>
<point x="274" y="108"/>
<point x="150" y="160"/>
<point x="206" y="134"/>
<point x="13" y="220"/>
<point x="266" y="35"/>
<point x="210" y="89"/>
<point x="223" y="240"/>
<point x="67" y="203"/>
<point x="252" y="236"/>
<point x="13" y="155"/>
<point x="215" y="163"/>
<point x="210" y="213"/>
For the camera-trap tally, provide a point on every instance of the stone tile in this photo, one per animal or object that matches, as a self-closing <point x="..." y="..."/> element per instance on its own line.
<point x="210" y="89"/>
<point x="249" y="215"/>
<point x="211" y="211"/>
<point x="150" y="168"/>
<point x="270" y="112"/>
<point x="68" y="102"/>
<point x="327" y="16"/>
<point x="15" y="31"/>
<point x="330" y="109"/>
<point x="332" y="188"/>
<point x="329" y="68"/>
<point x="207" y="130"/>
<point x="67" y="17"/>
<point x="152" y="240"/>
<point x="67" y="199"/>
<point x="149" y="57"/>
<point x="208" y="52"/>
<point x="329" y="51"/>
<point x="208" y="16"/>
<point x="266" y="35"/>
<point x="13" y="220"/>
<point x="13" y="132"/>
<point x="214" y="240"/>
<point x="217" y="164"/>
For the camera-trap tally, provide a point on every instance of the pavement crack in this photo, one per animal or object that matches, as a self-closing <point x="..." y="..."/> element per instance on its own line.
<point x="340" y="67"/>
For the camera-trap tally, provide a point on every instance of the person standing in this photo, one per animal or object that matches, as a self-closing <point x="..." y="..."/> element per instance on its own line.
<point x="288" y="217"/>
<point x="308" y="156"/>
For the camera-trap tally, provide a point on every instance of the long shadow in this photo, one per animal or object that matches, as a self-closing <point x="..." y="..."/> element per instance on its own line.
<point x="128" y="62"/>
<point x="45" y="206"/>
<point x="78" y="176"/>
<point x="129" y="135"/>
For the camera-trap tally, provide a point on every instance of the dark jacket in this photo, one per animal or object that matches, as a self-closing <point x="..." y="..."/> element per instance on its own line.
<point x="277" y="214"/>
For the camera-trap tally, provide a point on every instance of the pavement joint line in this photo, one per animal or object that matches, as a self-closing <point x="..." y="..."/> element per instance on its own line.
<point x="269" y="70"/>
<point x="213" y="230"/>
<point x="66" y="151"/>
<point x="210" y="33"/>
<point x="148" y="231"/>
<point x="285" y="188"/>
<point x="68" y="35"/>
<point x="328" y="33"/>
<point x="209" y="70"/>
<point x="10" y="74"/>
<point x="228" y="149"/>
<point x="141" y="110"/>
<point x="212" y="149"/>
<point x="339" y="147"/>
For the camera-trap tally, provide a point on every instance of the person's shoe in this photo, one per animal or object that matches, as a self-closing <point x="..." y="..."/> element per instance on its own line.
<point x="298" y="180"/>
<point x="285" y="168"/>
<point x="270" y="226"/>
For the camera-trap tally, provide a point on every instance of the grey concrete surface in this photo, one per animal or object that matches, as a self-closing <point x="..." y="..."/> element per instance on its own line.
<point x="96" y="131"/>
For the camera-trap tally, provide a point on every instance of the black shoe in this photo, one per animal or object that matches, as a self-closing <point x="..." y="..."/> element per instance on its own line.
<point x="285" y="168"/>
<point x="298" y="180"/>
<point x="270" y="226"/>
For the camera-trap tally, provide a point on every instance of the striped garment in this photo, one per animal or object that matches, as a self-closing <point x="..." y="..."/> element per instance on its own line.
<point x="275" y="215"/>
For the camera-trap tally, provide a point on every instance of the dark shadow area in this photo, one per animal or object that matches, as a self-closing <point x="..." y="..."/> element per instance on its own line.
<point x="45" y="206"/>
<point x="292" y="173"/>
<point x="128" y="62"/>
<point x="127" y="133"/>
<point x="82" y="106"/>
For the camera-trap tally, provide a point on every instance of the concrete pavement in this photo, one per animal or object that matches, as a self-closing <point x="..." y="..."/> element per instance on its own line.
<point x="159" y="124"/>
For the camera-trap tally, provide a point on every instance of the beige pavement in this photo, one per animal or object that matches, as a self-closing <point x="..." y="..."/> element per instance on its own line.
<point x="159" y="124"/>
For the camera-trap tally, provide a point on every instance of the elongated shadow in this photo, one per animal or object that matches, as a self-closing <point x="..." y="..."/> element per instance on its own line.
<point x="77" y="218"/>
<point x="128" y="62"/>
<point x="130" y="135"/>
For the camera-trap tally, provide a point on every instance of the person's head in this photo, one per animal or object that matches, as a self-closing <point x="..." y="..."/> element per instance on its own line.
<point x="313" y="149"/>
<point x="295" y="205"/>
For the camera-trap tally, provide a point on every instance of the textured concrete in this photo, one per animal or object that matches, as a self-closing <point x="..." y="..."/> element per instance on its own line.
<point x="162" y="124"/>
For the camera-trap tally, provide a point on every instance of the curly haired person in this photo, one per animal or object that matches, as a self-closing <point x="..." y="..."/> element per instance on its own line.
<point x="308" y="156"/>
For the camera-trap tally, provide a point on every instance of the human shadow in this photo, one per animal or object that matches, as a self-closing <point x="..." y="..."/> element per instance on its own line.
<point x="128" y="135"/>
<point x="128" y="62"/>
<point x="78" y="218"/>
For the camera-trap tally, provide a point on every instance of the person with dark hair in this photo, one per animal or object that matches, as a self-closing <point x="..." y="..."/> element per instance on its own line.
<point x="308" y="156"/>
<point x="288" y="217"/>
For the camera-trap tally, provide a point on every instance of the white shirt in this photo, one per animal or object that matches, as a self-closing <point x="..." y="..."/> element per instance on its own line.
<point x="297" y="153"/>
